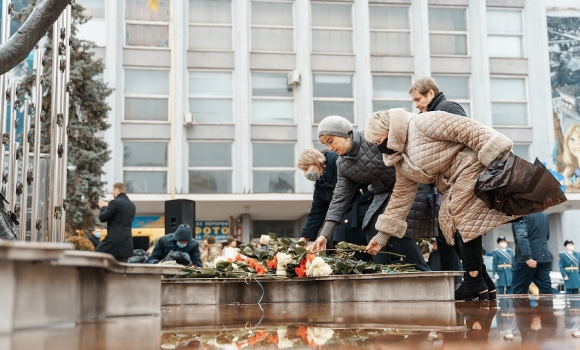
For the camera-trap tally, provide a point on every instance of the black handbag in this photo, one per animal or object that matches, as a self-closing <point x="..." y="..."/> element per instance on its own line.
<point x="518" y="187"/>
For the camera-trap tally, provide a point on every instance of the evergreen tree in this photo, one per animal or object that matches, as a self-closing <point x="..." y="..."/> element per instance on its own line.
<point x="88" y="112"/>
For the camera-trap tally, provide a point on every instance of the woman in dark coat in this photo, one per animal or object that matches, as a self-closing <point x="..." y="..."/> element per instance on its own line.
<point x="118" y="214"/>
<point x="320" y="167"/>
<point x="361" y="161"/>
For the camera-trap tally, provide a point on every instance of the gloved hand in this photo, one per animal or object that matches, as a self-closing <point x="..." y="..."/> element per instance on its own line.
<point x="496" y="276"/>
<point x="565" y="278"/>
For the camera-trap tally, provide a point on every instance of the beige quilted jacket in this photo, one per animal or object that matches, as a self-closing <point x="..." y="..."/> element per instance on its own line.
<point x="450" y="151"/>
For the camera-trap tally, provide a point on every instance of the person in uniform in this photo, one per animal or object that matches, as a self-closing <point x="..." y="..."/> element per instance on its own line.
<point x="503" y="259"/>
<point x="569" y="261"/>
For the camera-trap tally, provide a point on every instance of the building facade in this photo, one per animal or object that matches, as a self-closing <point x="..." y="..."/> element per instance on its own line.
<point x="215" y="99"/>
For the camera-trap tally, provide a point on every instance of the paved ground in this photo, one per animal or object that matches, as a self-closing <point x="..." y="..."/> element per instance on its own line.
<point x="512" y="322"/>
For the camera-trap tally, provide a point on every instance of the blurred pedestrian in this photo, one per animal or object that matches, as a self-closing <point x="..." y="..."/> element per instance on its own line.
<point x="569" y="262"/>
<point x="209" y="250"/>
<point x="503" y="260"/>
<point x="532" y="260"/>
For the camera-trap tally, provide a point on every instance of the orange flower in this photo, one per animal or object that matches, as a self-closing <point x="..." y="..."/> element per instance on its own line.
<point x="300" y="272"/>
<point x="239" y="257"/>
<point x="272" y="264"/>
<point x="302" y="332"/>
<point x="310" y="257"/>
<point x="273" y="339"/>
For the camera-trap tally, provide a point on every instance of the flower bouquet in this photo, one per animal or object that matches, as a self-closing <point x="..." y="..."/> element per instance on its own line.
<point x="284" y="258"/>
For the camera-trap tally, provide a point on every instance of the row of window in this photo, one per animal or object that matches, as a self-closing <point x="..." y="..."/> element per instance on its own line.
<point x="272" y="27"/>
<point x="210" y="168"/>
<point x="211" y="96"/>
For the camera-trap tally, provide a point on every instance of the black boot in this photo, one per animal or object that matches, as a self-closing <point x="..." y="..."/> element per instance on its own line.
<point x="472" y="287"/>
<point x="489" y="282"/>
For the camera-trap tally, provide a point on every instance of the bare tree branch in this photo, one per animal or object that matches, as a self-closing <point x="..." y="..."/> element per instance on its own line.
<point x="19" y="45"/>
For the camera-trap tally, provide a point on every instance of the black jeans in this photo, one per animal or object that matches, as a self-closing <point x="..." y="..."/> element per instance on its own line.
<point x="448" y="256"/>
<point x="471" y="252"/>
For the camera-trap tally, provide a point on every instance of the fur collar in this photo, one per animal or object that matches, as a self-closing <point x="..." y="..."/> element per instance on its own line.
<point x="397" y="129"/>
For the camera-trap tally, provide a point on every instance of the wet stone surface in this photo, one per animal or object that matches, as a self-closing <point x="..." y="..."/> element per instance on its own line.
<point x="512" y="322"/>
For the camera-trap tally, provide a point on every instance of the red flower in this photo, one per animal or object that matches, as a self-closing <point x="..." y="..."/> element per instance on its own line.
<point x="300" y="270"/>
<point x="273" y="339"/>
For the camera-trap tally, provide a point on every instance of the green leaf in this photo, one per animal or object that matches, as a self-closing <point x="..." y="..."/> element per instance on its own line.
<point x="286" y="241"/>
<point x="273" y="236"/>
<point x="248" y="251"/>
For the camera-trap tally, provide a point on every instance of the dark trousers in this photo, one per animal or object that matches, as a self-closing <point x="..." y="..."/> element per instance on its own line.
<point x="471" y="252"/>
<point x="523" y="276"/>
<point x="403" y="246"/>
<point x="123" y="260"/>
<point x="448" y="256"/>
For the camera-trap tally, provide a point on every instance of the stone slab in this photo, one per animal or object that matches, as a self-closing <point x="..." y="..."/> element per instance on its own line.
<point x="412" y="286"/>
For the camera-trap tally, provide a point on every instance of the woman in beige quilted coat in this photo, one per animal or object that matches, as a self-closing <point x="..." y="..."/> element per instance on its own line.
<point x="451" y="152"/>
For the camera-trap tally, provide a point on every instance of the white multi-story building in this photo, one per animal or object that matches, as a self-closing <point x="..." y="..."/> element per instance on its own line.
<point x="215" y="99"/>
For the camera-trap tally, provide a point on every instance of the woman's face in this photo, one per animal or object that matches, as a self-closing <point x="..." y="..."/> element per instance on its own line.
<point x="317" y="168"/>
<point x="574" y="143"/>
<point x="340" y="145"/>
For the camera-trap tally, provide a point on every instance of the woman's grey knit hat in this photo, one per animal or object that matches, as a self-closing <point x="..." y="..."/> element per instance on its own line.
<point x="335" y="126"/>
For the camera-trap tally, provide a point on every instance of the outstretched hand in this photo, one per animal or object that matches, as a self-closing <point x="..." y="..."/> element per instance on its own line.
<point x="373" y="248"/>
<point x="318" y="245"/>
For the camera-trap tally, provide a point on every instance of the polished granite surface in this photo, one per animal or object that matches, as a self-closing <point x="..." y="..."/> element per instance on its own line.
<point x="512" y="322"/>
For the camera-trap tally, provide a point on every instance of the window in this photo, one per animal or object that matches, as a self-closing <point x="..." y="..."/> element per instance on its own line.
<point x="456" y="88"/>
<point x="272" y="26"/>
<point x="144" y="27"/>
<point x="210" y="97"/>
<point x="390" y="30"/>
<point x="391" y="91"/>
<point x="145" y="166"/>
<point x="282" y="228"/>
<point x="522" y="151"/>
<point x="210" y="167"/>
<point x="332" y="28"/>
<point x="210" y="25"/>
<point x="505" y="33"/>
<point x="509" y="101"/>
<point x="447" y="31"/>
<point x="146" y="94"/>
<point x="272" y="99"/>
<point x="273" y="167"/>
<point x="93" y="8"/>
<point x="333" y="96"/>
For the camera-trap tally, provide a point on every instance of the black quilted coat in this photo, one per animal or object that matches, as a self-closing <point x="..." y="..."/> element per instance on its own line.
<point x="364" y="164"/>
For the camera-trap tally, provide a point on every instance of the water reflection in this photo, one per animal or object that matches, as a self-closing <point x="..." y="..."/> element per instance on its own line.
<point x="510" y="323"/>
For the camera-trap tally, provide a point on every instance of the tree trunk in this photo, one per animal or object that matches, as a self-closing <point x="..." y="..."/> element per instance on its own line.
<point x="19" y="45"/>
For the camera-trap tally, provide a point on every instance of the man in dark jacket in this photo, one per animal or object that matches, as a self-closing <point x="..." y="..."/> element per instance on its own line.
<point x="179" y="241"/>
<point x="118" y="214"/>
<point x="427" y="97"/>
<point x="532" y="261"/>
<point x="320" y="167"/>
<point x="361" y="161"/>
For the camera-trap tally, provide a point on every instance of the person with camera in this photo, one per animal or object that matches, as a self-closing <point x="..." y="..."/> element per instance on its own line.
<point x="118" y="214"/>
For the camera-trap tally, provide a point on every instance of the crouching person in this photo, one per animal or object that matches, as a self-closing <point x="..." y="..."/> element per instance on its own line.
<point x="178" y="243"/>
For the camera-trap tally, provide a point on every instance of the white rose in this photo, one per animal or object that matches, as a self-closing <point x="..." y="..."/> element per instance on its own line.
<point x="265" y="239"/>
<point x="285" y="343"/>
<point x="283" y="259"/>
<point x="319" y="335"/>
<point x="318" y="267"/>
